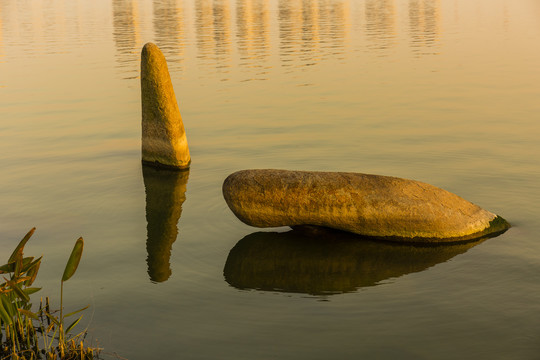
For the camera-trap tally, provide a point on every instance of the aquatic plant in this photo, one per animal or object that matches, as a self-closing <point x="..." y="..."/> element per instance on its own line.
<point x="21" y="328"/>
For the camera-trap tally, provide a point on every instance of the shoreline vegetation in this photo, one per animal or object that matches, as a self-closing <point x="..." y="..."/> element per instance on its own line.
<point x="42" y="334"/>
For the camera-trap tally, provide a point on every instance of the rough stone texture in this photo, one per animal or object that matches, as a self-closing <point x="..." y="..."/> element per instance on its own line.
<point x="165" y="194"/>
<point x="326" y="262"/>
<point x="164" y="140"/>
<point x="371" y="205"/>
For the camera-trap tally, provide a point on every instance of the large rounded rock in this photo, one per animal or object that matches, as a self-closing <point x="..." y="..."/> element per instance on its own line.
<point x="371" y="205"/>
<point x="164" y="142"/>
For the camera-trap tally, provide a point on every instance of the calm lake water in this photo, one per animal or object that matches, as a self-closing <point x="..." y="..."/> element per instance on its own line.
<point x="442" y="91"/>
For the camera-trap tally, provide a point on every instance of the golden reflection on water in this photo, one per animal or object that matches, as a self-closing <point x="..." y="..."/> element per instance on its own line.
<point x="204" y="23"/>
<point x="169" y="20"/>
<point x="424" y="21"/>
<point x="1" y="40"/>
<point x="213" y="30"/>
<point x="165" y="194"/>
<point x="126" y="33"/>
<point x="222" y="34"/>
<point x="326" y="262"/>
<point x="381" y="24"/>
<point x="253" y="35"/>
<point x="247" y="33"/>
<point x="310" y="31"/>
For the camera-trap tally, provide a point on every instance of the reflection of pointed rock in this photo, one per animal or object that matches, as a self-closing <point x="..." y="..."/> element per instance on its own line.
<point x="165" y="194"/>
<point x="164" y="142"/>
<point x="325" y="261"/>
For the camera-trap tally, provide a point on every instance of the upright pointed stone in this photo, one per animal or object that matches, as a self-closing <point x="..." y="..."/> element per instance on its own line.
<point x="164" y="142"/>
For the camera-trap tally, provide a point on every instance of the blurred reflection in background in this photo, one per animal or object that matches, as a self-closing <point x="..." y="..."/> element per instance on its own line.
<point x="222" y="34"/>
<point x="204" y="26"/>
<point x="253" y="36"/>
<point x="169" y="29"/>
<point x="126" y="35"/>
<point x="381" y="30"/>
<point x="311" y="31"/>
<point x="424" y="23"/>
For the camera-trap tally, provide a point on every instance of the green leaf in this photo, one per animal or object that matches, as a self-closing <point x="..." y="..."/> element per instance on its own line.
<point x="77" y="311"/>
<point x="33" y="271"/>
<point x="4" y="314"/>
<point x="21" y="245"/>
<point x="20" y="293"/>
<point x="28" y="313"/>
<point x="18" y="263"/>
<point x="73" y="260"/>
<point x="7" y="268"/>
<point x="8" y="306"/>
<point x="73" y="324"/>
<point x="53" y="319"/>
<point x="29" y="263"/>
<point x="31" y="290"/>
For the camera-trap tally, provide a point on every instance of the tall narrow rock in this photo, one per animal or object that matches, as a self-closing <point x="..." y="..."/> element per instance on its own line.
<point x="164" y="142"/>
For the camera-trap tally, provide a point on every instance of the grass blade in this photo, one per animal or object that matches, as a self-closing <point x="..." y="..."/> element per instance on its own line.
<point x="8" y="306"/>
<point x="4" y="314"/>
<point x="32" y="272"/>
<point x="29" y="263"/>
<point x="73" y="324"/>
<point x="53" y="319"/>
<point x="77" y="311"/>
<point x="21" y="245"/>
<point x="18" y="291"/>
<point x="28" y="313"/>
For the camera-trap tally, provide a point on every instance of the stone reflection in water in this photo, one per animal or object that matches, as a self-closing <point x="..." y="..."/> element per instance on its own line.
<point x="165" y="194"/>
<point x="319" y="261"/>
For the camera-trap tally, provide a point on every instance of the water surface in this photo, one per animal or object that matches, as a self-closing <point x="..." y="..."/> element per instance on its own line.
<point x="441" y="91"/>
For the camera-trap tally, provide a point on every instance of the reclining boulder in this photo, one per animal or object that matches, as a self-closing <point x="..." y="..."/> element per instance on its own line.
<point x="377" y="206"/>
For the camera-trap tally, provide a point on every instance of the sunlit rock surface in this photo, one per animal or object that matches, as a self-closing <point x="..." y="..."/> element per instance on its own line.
<point x="377" y="206"/>
<point x="164" y="142"/>
<point x="326" y="262"/>
<point x="165" y="194"/>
